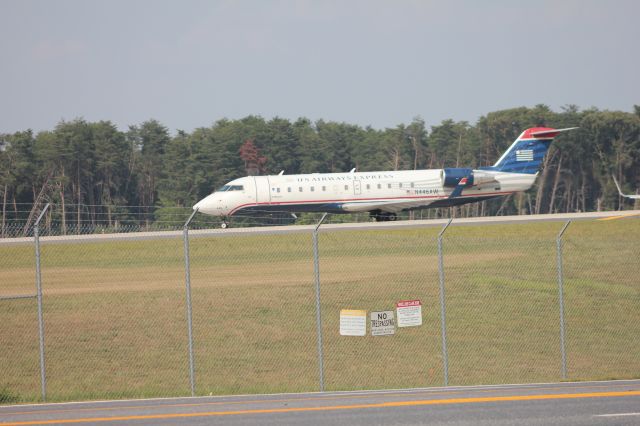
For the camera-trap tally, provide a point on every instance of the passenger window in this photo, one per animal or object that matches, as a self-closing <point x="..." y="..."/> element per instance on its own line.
<point x="289" y="189"/>
<point x="324" y="188"/>
<point x="389" y="185"/>
<point x="400" y="185"/>
<point x="300" y="189"/>
<point x="278" y="190"/>
<point x="346" y="187"/>
<point x="412" y="184"/>
<point x="379" y="186"/>
<point x="368" y="186"/>
<point x="313" y="189"/>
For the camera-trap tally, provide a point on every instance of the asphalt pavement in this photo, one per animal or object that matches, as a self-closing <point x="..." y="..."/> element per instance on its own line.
<point x="581" y="403"/>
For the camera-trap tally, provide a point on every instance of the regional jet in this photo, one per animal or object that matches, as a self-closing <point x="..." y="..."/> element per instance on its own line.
<point x="384" y="193"/>
<point x="633" y="197"/>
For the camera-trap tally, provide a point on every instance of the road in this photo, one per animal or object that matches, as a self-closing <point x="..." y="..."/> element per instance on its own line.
<point x="582" y="403"/>
<point x="560" y="217"/>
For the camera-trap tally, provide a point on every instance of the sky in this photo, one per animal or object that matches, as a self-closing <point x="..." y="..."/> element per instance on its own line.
<point x="373" y="63"/>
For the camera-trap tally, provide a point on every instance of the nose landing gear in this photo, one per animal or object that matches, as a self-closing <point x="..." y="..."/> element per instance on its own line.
<point x="225" y="222"/>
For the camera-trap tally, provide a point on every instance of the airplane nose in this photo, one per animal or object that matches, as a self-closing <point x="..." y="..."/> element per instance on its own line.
<point x="208" y="205"/>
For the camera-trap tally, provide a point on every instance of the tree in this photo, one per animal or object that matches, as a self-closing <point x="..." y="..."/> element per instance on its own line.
<point x="281" y="147"/>
<point x="91" y="170"/>
<point x="615" y="139"/>
<point x="253" y="161"/>
<point x="450" y="145"/>
<point x="74" y="140"/>
<point x="336" y="138"/>
<point x="312" y="149"/>
<point x="368" y="150"/>
<point x="150" y="139"/>
<point x="111" y="172"/>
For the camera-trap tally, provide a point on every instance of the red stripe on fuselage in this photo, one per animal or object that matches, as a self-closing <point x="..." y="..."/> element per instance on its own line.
<point x="347" y="200"/>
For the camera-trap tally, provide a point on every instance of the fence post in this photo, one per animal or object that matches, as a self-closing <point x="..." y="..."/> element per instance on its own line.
<point x="561" y="299"/>
<point x="187" y="268"/>
<point x="36" y="236"/>
<point x="316" y="271"/>
<point x="443" y="309"/>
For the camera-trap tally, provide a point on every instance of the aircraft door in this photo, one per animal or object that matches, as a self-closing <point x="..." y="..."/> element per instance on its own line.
<point x="263" y="190"/>
<point x="357" y="187"/>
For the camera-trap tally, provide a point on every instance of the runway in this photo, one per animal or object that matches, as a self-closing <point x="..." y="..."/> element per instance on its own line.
<point x="495" y="220"/>
<point x="580" y="403"/>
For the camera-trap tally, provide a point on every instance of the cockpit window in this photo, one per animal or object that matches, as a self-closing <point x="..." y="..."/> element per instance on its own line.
<point x="231" y="188"/>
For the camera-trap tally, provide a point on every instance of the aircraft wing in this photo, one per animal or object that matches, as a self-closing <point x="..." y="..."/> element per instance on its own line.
<point x="633" y="197"/>
<point x="388" y="206"/>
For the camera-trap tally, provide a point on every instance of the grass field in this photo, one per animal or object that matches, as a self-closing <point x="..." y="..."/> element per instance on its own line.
<point x="115" y="312"/>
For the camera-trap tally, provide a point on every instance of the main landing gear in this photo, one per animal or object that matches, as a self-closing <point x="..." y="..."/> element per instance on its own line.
<point x="380" y="216"/>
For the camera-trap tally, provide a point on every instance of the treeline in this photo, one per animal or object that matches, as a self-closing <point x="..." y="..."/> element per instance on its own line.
<point x="93" y="173"/>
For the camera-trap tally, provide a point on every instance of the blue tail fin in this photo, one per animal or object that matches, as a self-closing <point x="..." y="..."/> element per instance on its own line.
<point x="526" y="154"/>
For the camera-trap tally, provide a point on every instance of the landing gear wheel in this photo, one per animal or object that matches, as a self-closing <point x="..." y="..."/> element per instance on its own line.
<point x="377" y="215"/>
<point x="380" y="216"/>
<point x="224" y="225"/>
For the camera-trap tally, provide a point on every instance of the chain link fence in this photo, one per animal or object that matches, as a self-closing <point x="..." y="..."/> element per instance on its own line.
<point x="272" y="314"/>
<point x="114" y="318"/>
<point x="502" y="307"/>
<point x="131" y="219"/>
<point x="253" y="310"/>
<point x="371" y="271"/>
<point x="602" y="298"/>
<point x="19" y="342"/>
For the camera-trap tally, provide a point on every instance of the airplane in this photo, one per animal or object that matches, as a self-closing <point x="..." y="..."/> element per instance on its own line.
<point x="384" y="193"/>
<point x="633" y="197"/>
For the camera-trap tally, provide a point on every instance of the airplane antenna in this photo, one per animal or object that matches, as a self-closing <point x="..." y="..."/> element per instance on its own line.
<point x="281" y="173"/>
<point x="353" y="170"/>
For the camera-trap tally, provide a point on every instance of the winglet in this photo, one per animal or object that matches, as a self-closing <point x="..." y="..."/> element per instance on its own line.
<point x="617" y="186"/>
<point x="633" y="197"/>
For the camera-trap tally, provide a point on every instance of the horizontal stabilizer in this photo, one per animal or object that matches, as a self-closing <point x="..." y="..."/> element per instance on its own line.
<point x="551" y="133"/>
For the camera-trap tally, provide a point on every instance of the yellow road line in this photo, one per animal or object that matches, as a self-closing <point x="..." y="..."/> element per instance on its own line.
<point x="334" y="407"/>
<point x="347" y="395"/>
<point x="619" y="216"/>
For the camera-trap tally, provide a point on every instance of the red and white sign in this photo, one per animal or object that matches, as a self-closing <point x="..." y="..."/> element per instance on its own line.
<point x="409" y="313"/>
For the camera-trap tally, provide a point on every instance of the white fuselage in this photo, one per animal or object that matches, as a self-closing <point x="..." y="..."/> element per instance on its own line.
<point x="386" y="191"/>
